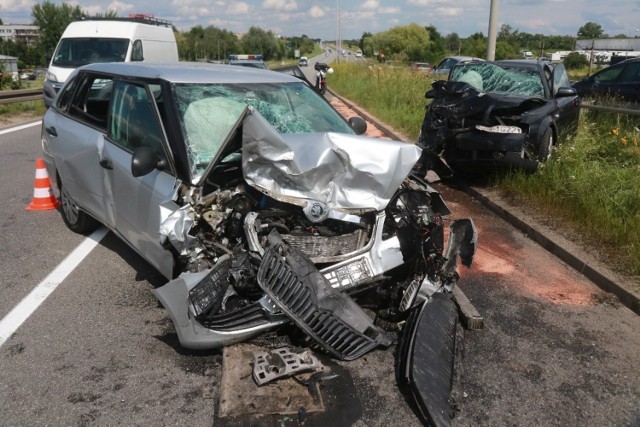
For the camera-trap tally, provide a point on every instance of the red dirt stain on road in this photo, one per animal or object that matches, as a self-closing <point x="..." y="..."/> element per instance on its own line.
<point x="507" y="253"/>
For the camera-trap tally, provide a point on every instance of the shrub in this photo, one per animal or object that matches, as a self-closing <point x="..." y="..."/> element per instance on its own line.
<point x="575" y="60"/>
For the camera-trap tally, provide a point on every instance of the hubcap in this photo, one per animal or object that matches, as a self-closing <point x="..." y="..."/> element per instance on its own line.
<point x="69" y="208"/>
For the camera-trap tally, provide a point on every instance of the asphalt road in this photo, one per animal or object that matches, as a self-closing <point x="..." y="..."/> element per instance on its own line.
<point x="555" y="349"/>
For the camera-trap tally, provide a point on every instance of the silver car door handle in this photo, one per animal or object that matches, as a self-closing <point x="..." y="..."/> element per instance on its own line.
<point x="51" y="131"/>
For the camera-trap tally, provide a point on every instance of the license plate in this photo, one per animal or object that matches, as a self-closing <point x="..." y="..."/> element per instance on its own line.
<point x="499" y="129"/>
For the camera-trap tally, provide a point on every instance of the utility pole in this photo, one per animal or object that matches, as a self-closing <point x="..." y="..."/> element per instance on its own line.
<point x="493" y="23"/>
<point x="338" y="41"/>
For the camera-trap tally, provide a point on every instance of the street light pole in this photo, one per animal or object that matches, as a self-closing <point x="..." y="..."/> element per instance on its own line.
<point x="338" y="41"/>
<point x="493" y="23"/>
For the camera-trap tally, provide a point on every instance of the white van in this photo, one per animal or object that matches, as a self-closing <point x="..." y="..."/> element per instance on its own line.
<point x="139" y="38"/>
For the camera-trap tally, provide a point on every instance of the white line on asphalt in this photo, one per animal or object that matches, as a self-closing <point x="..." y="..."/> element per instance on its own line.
<point x="31" y="302"/>
<point x="17" y="128"/>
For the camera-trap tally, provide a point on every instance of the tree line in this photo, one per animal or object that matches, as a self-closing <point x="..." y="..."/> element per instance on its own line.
<point x="411" y="42"/>
<point x="198" y="43"/>
<point x="425" y="44"/>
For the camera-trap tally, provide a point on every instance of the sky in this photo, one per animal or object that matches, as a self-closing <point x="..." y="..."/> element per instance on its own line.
<point x="319" y="19"/>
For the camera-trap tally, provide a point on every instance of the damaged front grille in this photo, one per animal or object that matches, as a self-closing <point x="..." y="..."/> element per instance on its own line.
<point x="331" y="318"/>
<point x="247" y="317"/>
<point x="328" y="248"/>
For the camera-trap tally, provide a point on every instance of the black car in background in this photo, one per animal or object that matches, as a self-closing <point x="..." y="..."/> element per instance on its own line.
<point x="492" y="114"/>
<point x="621" y="80"/>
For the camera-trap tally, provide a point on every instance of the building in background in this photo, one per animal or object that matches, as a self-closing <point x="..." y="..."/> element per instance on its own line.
<point x="27" y="34"/>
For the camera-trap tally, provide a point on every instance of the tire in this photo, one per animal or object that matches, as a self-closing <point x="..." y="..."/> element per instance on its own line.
<point x="77" y="220"/>
<point x="323" y="89"/>
<point x="545" y="147"/>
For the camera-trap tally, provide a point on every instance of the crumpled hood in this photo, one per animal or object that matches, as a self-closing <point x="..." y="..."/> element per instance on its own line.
<point x="345" y="172"/>
<point x="459" y="99"/>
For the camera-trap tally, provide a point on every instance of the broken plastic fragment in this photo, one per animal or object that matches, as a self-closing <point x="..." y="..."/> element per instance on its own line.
<point x="282" y="362"/>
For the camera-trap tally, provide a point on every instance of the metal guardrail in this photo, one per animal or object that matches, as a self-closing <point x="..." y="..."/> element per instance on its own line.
<point x="22" y="95"/>
<point x="611" y="109"/>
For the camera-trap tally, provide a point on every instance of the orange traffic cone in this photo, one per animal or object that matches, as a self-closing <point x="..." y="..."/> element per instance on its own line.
<point x="43" y="198"/>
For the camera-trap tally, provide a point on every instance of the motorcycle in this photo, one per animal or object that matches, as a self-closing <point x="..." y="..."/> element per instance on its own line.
<point x="321" y="79"/>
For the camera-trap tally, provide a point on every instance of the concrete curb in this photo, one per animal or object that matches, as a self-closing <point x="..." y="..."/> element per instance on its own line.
<point x="599" y="277"/>
<point x="603" y="279"/>
<point x="387" y="130"/>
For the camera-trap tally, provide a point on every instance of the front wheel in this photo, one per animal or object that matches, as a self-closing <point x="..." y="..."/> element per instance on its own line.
<point x="545" y="148"/>
<point x="77" y="220"/>
<point x="323" y="89"/>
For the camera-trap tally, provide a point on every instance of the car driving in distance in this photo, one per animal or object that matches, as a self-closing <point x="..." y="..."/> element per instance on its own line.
<point x="421" y="67"/>
<point x="499" y="114"/>
<point x="304" y="61"/>
<point x="258" y="202"/>
<point x="252" y="61"/>
<point x="442" y="69"/>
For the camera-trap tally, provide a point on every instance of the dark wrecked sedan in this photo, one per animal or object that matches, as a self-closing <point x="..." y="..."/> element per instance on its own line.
<point x="254" y="197"/>
<point x="505" y="113"/>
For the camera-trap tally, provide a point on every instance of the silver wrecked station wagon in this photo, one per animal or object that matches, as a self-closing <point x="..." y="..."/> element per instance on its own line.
<point x="253" y="196"/>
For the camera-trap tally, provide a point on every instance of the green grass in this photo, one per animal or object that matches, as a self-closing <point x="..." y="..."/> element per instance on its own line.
<point x="591" y="184"/>
<point x="394" y="95"/>
<point x="34" y="107"/>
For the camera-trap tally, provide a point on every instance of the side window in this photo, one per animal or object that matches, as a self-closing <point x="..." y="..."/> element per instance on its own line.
<point x="631" y="73"/>
<point x="137" y="53"/>
<point x="92" y="101"/>
<point x="608" y="75"/>
<point x="560" y="78"/>
<point x="64" y="99"/>
<point x="134" y="122"/>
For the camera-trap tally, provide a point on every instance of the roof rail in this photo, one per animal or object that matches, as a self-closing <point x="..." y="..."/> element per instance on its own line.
<point x="141" y="18"/>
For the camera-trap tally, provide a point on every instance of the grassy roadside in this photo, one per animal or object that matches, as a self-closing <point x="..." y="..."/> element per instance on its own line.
<point x="20" y="111"/>
<point x="591" y="184"/>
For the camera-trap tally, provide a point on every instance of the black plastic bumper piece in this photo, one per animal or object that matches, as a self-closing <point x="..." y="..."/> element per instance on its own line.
<point x="331" y="318"/>
<point x="426" y="357"/>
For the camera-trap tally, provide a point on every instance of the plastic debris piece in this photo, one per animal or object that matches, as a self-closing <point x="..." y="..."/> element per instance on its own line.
<point x="282" y="362"/>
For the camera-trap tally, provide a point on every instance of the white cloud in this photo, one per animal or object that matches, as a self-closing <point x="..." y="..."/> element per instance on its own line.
<point x="280" y="4"/>
<point x="119" y="6"/>
<point x="388" y="10"/>
<point x="430" y="2"/>
<point x="370" y="4"/>
<point x="448" y="11"/>
<point x="239" y="8"/>
<point x="316" y="12"/>
<point x="15" y="5"/>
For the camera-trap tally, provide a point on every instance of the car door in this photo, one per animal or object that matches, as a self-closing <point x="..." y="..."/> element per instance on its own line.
<point x="629" y="82"/>
<point x="605" y="82"/>
<point x="568" y="107"/>
<point x="141" y="203"/>
<point x="75" y="128"/>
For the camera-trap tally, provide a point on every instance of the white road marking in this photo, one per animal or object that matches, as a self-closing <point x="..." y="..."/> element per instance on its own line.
<point x="17" y="128"/>
<point x="21" y="312"/>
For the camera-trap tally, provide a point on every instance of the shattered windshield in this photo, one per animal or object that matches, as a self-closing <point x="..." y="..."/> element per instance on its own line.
<point x="209" y="112"/>
<point x="491" y="78"/>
